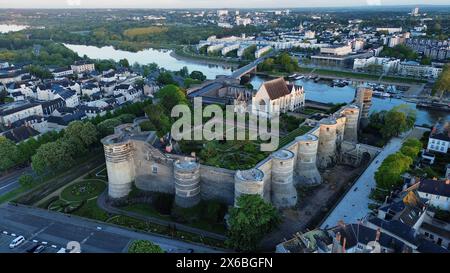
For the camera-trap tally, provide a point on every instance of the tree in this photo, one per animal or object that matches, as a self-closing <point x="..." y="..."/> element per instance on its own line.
<point x="388" y="176"/>
<point x="184" y="72"/>
<point x="267" y="65"/>
<point x="39" y="72"/>
<point x="170" y="96"/>
<point x="165" y="78"/>
<point x="3" y="96"/>
<point x="144" y="246"/>
<point x="411" y="148"/>
<point x="126" y="118"/>
<point x="249" y="53"/>
<point x="106" y="127"/>
<point x="26" y="180"/>
<point x="124" y="63"/>
<point x="8" y="154"/>
<point x="442" y="85"/>
<point x="52" y="156"/>
<point x="396" y="121"/>
<point x="250" y="221"/>
<point x="139" y="84"/>
<point x="425" y="61"/>
<point x="82" y="133"/>
<point x="158" y="119"/>
<point x="197" y="75"/>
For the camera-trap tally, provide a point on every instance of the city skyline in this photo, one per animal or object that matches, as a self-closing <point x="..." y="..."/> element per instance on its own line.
<point x="210" y="4"/>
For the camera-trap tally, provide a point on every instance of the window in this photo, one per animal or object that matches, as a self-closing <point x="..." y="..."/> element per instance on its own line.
<point x="154" y="169"/>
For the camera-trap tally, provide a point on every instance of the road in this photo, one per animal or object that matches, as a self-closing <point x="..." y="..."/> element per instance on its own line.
<point x="9" y="182"/>
<point x="354" y="205"/>
<point x="58" y="229"/>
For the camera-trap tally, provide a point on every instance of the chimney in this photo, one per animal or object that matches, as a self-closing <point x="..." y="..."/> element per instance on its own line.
<point x="343" y="245"/>
<point x="377" y="238"/>
<point x="338" y="237"/>
<point x="447" y="182"/>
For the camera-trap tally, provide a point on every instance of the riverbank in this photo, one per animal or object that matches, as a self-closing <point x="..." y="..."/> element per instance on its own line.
<point x="333" y="75"/>
<point x="181" y="54"/>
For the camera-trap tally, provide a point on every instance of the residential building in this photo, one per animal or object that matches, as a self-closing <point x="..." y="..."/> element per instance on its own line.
<point x="19" y="110"/>
<point x="415" y="70"/>
<point x="439" y="140"/>
<point x="82" y="67"/>
<point x="436" y="192"/>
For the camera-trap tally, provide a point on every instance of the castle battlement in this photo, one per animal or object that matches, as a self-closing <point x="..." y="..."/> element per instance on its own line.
<point x="134" y="156"/>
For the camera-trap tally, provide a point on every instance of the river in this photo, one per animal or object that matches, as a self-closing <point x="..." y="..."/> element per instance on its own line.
<point x="324" y="93"/>
<point x="162" y="57"/>
<point x="314" y="91"/>
<point x="11" y="28"/>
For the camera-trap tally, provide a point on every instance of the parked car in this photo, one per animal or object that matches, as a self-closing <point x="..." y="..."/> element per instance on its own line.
<point x="39" y="249"/>
<point x="17" y="241"/>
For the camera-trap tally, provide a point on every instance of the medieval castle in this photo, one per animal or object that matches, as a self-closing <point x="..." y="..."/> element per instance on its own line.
<point x="137" y="157"/>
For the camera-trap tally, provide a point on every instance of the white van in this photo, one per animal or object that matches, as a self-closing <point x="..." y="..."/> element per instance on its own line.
<point x="17" y="241"/>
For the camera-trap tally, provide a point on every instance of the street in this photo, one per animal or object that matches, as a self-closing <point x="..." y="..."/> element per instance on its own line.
<point x="56" y="230"/>
<point x="354" y="205"/>
<point x="9" y="182"/>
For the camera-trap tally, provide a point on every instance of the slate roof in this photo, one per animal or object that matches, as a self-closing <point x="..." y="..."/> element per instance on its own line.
<point x="441" y="131"/>
<point x="65" y="94"/>
<point x="436" y="187"/>
<point x="276" y="88"/>
<point x="21" y="122"/>
<point x="396" y="227"/>
<point x="356" y="233"/>
<point x="51" y="105"/>
<point x="68" y="118"/>
<point x="17" y="109"/>
<point x="21" y="133"/>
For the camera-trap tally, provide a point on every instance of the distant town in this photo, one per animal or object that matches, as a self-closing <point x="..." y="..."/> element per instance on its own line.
<point x="358" y="100"/>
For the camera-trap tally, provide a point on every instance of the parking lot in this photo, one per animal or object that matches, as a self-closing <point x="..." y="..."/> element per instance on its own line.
<point x="6" y="238"/>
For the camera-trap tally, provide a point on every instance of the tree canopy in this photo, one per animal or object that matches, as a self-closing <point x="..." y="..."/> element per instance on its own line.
<point x="8" y="154"/>
<point x="171" y="95"/>
<point x="250" y="221"/>
<point x="393" y="122"/>
<point x="442" y="85"/>
<point x="388" y="175"/>
<point x="144" y="246"/>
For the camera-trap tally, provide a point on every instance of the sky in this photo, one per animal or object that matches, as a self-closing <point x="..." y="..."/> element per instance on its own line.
<point x="207" y="3"/>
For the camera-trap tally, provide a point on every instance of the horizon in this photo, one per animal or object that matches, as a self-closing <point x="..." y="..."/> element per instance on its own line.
<point x="203" y="4"/>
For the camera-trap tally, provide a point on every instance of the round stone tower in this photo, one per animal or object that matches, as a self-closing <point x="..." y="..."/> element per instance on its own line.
<point x="248" y="182"/>
<point x="306" y="168"/>
<point x="187" y="183"/>
<point x="119" y="165"/>
<point x="283" y="191"/>
<point x="351" y="112"/>
<point x="326" y="154"/>
<point x="364" y="101"/>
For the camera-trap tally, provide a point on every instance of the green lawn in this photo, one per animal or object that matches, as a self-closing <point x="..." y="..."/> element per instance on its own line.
<point x="145" y="209"/>
<point x="292" y="135"/>
<point x="91" y="210"/>
<point x="83" y="190"/>
<point x="146" y="226"/>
